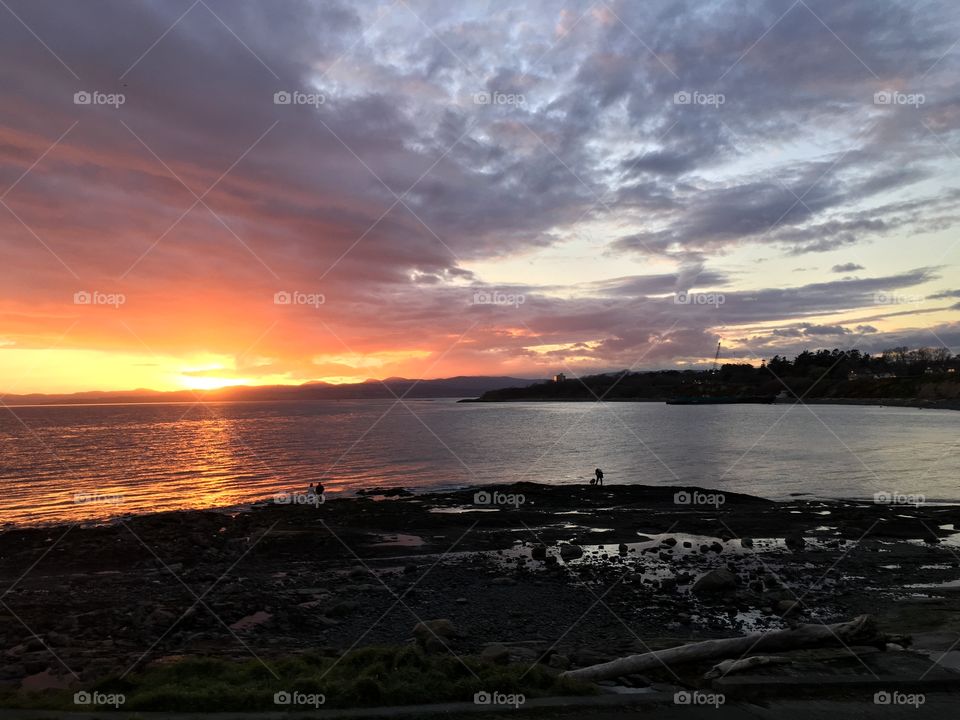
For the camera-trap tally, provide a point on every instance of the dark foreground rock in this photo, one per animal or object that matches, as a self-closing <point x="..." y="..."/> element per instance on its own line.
<point x="570" y="574"/>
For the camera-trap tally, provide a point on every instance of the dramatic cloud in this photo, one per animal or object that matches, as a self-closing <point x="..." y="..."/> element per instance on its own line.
<point x="321" y="189"/>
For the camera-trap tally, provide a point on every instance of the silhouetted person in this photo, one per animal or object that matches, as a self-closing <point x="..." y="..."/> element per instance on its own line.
<point x="599" y="479"/>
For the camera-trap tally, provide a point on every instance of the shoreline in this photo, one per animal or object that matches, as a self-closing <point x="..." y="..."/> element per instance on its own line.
<point x="381" y="494"/>
<point x="917" y="403"/>
<point x="519" y="567"/>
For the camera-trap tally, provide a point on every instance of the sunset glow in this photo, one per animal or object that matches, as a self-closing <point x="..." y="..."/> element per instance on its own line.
<point x="567" y="198"/>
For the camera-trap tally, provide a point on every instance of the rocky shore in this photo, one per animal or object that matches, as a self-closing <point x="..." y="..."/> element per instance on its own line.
<point x="560" y="576"/>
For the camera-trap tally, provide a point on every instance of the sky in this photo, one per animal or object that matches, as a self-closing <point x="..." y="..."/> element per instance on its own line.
<point x="196" y="193"/>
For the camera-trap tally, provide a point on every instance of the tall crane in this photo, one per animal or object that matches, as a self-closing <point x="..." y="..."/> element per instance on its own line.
<point x="716" y="358"/>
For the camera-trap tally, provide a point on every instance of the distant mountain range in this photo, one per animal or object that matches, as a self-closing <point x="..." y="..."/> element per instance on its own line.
<point x="455" y="387"/>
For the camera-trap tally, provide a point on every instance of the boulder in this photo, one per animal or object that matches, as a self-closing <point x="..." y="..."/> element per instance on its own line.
<point x="431" y="629"/>
<point x="720" y="580"/>
<point x="787" y="607"/>
<point x="571" y="552"/>
<point x="795" y="542"/>
<point x="498" y="654"/>
<point x="539" y="552"/>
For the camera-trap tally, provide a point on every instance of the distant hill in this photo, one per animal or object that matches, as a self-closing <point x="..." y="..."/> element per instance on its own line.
<point x="455" y="387"/>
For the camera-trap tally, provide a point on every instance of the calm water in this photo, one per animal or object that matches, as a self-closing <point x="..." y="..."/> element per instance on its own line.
<point x="163" y="457"/>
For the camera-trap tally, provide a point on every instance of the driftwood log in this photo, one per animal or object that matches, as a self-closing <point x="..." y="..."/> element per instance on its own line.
<point x="862" y="630"/>
<point x="733" y="666"/>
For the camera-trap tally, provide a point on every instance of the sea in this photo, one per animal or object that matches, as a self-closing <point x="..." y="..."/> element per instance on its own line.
<point x="93" y="463"/>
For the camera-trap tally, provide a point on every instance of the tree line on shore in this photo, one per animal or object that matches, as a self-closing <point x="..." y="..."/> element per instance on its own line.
<point x="928" y="373"/>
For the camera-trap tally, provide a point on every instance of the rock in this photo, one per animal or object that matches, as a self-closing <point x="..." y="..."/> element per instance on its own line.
<point x="716" y="547"/>
<point x="715" y="581"/>
<point x="666" y="557"/>
<point x="786" y="607"/>
<point x="571" y="552"/>
<point x="539" y="552"/>
<point x="431" y="629"/>
<point x="795" y="542"/>
<point x="669" y="542"/>
<point x="560" y="662"/>
<point x="161" y="617"/>
<point x="687" y="544"/>
<point x="668" y="585"/>
<point x="704" y="548"/>
<point x="622" y="548"/>
<point x="342" y="609"/>
<point x="499" y="654"/>
<point x="746" y="542"/>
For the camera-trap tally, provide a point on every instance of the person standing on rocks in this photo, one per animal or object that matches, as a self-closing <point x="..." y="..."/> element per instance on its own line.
<point x="599" y="479"/>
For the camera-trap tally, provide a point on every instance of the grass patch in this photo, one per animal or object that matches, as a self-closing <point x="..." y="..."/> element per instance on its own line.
<point x="368" y="677"/>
